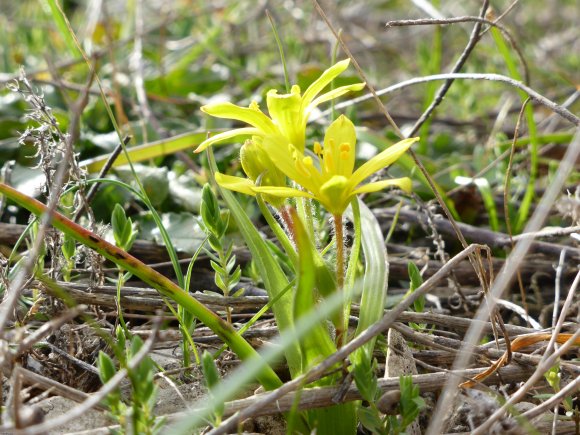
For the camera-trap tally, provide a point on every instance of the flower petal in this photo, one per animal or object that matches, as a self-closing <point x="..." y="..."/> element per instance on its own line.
<point x="335" y="93"/>
<point x="321" y="82"/>
<point x="282" y="192"/>
<point x="285" y="110"/>
<point x="254" y="117"/>
<point x="340" y="147"/>
<point x="381" y="160"/>
<point x="282" y="154"/>
<point x="402" y="183"/>
<point x="237" y="184"/>
<point x="227" y="135"/>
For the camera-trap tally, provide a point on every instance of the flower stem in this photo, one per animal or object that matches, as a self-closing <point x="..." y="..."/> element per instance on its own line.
<point x="339" y="241"/>
<point x="288" y="223"/>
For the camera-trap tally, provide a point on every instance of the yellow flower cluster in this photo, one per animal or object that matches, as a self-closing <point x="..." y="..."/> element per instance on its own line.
<point x="276" y="150"/>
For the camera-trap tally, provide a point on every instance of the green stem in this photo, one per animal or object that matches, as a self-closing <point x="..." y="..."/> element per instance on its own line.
<point x="339" y="241"/>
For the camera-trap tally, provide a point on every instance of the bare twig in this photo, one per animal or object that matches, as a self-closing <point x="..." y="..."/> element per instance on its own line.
<point x="504" y="278"/>
<point x="506" y="210"/>
<point x="467" y="19"/>
<point x="481" y="235"/>
<point x="473" y="40"/>
<point x="546" y="102"/>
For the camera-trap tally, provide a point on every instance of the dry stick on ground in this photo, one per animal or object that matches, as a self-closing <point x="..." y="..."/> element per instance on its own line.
<point x="487" y="351"/>
<point x="321" y="397"/>
<point x="31" y="378"/>
<point x="481" y="235"/>
<point x="504" y="278"/>
<point x="371" y="332"/>
<point x="547" y="361"/>
<point x="95" y="398"/>
<point x="12" y="293"/>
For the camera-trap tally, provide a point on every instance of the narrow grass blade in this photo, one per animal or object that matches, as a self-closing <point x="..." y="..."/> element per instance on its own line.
<point x="63" y="25"/>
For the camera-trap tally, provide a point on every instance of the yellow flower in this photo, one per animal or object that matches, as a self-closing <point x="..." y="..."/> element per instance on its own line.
<point x="333" y="183"/>
<point x="289" y="113"/>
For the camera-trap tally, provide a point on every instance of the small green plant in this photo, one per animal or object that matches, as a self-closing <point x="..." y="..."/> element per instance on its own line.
<point x="134" y="413"/>
<point x="223" y="260"/>
<point x="125" y="234"/>
<point x="410" y="405"/>
<point x="415" y="281"/>
<point x="553" y="378"/>
<point x="281" y="171"/>
<point x="399" y="413"/>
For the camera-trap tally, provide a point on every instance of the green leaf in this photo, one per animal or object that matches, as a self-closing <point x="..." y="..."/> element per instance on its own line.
<point x="148" y="151"/>
<point x="210" y="212"/>
<point x="68" y="247"/>
<point x="136" y="345"/>
<point x="371" y="420"/>
<point x="63" y="26"/>
<point x="182" y="228"/>
<point x="318" y="344"/>
<point x="106" y="367"/>
<point x="416" y="282"/>
<point x="364" y="376"/>
<point x="375" y="279"/>
<point x="154" y="180"/>
<point x="210" y="371"/>
<point x="212" y="378"/>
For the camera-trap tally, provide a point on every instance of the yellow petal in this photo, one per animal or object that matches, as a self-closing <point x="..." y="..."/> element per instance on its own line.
<point x="281" y="154"/>
<point x="286" y="112"/>
<point x="282" y="192"/>
<point x="335" y="93"/>
<point x="254" y="117"/>
<point x="237" y="184"/>
<point x="402" y="183"/>
<point x="381" y="160"/>
<point x="321" y="82"/>
<point x="339" y="143"/>
<point x="226" y="136"/>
